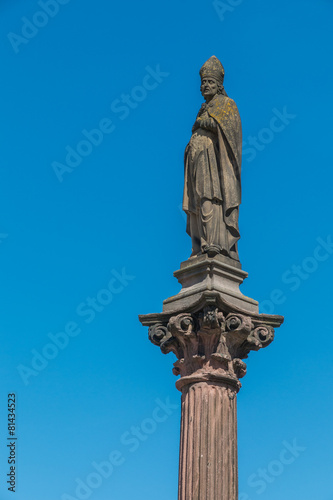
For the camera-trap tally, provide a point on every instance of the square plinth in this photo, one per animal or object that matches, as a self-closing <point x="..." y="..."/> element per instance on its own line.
<point x="219" y="274"/>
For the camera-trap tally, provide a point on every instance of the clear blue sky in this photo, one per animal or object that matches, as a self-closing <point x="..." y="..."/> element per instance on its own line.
<point x="73" y="223"/>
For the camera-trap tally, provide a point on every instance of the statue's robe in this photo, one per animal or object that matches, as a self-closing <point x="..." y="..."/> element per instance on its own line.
<point x="220" y="167"/>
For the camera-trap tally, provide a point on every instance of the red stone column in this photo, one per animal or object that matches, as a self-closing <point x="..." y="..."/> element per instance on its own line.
<point x="208" y="443"/>
<point x="209" y="345"/>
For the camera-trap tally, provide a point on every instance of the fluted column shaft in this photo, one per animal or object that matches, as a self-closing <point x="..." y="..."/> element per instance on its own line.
<point x="210" y="345"/>
<point x="208" y="443"/>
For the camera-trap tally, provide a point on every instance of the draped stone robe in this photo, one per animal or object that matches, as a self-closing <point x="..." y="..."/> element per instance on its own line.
<point x="212" y="190"/>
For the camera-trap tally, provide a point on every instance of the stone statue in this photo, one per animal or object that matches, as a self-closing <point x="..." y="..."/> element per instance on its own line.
<point x="210" y="325"/>
<point x="212" y="191"/>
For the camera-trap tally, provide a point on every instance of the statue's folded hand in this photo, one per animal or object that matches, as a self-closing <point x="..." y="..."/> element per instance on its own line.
<point x="208" y="124"/>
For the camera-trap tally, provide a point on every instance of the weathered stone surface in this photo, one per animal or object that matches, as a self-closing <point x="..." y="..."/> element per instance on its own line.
<point x="208" y="443"/>
<point x="210" y="326"/>
<point x="213" y="157"/>
<point x="210" y="342"/>
<point x="213" y="274"/>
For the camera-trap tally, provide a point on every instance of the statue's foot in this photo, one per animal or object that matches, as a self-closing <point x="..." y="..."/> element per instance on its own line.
<point x="212" y="250"/>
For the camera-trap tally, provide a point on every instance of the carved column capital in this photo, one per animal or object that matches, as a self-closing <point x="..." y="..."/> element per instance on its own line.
<point x="210" y="344"/>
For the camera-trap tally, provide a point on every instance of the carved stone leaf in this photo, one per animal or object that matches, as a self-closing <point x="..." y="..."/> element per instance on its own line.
<point x="158" y="334"/>
<point x="261" y="337"/>
<point x="209" y="343"/>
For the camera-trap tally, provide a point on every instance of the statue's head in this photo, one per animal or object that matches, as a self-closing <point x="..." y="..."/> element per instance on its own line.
<point x="212" y="76"/>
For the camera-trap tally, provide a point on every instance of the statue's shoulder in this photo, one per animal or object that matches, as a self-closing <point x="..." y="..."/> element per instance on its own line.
<point x="223" y="107"/>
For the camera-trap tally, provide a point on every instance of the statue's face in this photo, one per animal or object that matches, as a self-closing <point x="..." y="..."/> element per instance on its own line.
<point x="208" y="88"/>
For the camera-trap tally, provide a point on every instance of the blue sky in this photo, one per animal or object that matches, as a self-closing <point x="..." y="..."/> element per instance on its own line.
<point x="72" y="224"/>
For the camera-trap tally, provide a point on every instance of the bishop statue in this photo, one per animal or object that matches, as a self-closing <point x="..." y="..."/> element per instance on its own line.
<point x="212" y="190"/>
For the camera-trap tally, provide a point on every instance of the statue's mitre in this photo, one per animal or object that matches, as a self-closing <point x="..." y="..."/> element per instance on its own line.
<point x="213" y="68"/>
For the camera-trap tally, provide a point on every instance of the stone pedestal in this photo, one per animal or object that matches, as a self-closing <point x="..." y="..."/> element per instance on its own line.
<point x="201" y="274"/>
<point x="210" y="327"/>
